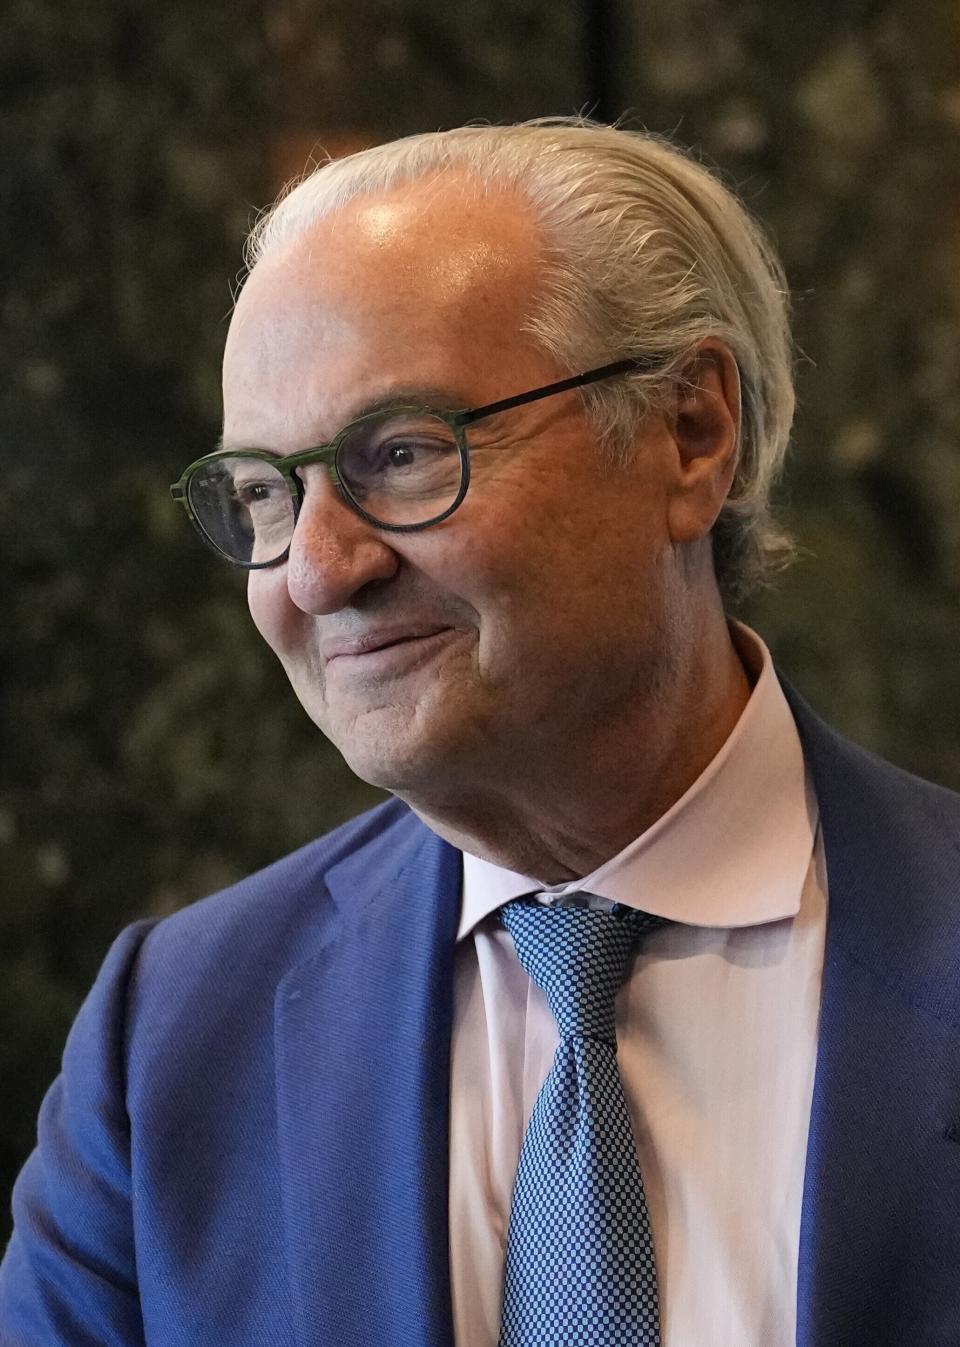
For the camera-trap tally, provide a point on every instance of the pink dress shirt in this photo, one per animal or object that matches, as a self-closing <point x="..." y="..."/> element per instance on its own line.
<point x="717" y="1035"/>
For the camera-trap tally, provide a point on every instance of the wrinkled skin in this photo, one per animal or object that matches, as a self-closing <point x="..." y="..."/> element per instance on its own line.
<point x="560" y="668"/>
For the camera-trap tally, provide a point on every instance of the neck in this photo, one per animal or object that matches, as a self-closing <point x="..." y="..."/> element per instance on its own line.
<point x="580" y="803"/>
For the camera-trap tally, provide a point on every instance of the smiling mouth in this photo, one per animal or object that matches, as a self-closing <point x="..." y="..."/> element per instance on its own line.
<point x="397" y="650"/>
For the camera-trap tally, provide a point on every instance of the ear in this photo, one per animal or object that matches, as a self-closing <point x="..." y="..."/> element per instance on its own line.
<point x="705" y="426"/>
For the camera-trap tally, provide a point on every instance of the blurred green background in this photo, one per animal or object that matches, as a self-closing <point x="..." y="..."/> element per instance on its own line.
<point x="151" y="750"/>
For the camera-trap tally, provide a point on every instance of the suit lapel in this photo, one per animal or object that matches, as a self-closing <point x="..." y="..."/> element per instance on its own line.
<point x="880" y="1232"/>
<point x="362" y="1042"/>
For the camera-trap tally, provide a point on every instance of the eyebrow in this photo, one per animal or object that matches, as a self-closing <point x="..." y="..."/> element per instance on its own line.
<point x="434" y="399"/>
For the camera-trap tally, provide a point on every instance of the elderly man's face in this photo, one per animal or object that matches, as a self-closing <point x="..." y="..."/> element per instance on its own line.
<point x="441" y="659"/>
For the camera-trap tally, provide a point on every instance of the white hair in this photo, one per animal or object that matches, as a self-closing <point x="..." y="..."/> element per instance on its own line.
<point x="646" y="254"/>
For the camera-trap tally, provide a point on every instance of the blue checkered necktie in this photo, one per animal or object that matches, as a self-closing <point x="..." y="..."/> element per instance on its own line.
<point x="579" y="1267"/>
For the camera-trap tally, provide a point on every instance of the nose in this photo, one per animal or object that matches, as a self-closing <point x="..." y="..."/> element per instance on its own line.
<point x="334" y="552"/>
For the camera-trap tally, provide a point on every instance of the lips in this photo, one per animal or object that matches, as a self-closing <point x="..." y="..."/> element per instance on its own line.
<point x="370" y="641"/>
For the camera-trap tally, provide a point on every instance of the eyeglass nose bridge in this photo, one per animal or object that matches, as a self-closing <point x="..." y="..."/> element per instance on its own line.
<point x="321" y="453"/>
<point x="326" y="455"/>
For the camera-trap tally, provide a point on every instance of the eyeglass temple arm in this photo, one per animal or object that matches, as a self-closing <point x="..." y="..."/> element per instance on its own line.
<point x="577" y="381"/>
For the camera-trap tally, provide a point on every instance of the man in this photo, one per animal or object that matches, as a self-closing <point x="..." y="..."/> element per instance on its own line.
<point x="623" y="864"/>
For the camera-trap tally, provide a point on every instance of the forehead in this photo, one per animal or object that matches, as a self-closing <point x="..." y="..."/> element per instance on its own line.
<point x="430" y="281"/>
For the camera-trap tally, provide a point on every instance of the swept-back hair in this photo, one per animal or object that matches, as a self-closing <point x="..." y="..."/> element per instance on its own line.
<point x="646" y="253"/>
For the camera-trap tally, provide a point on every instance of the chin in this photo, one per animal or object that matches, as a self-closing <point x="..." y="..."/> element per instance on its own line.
<point x="408" y="765"/>
<point x="385" y="748"/>
<point x="424" y="748"/>
<point x="399" y="773"/>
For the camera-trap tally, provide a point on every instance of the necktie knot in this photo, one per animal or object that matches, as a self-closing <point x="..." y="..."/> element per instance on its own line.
<point x="579" y="959"/>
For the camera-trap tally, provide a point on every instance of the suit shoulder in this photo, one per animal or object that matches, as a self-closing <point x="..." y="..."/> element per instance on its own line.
<point x="273" y="909"/>
<point x="865" y="780"/>
<point x="900" y="794"/>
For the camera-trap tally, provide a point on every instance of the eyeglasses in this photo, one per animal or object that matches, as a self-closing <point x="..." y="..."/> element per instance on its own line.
<point x="400" y="469"/>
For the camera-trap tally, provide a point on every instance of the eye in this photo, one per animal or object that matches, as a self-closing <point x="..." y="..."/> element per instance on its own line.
<point x="258" y="491"/>
<point x="389" y="461"/>
<point x="400" y="453"/>
<point x="248" y="492"/>
<point x="413" y="451"/>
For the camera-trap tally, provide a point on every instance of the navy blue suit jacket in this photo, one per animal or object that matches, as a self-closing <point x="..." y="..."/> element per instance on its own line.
<point x="247" y="1146"/>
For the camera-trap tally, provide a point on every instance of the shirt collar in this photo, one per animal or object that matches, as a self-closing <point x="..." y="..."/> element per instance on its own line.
<point x="733" y="851"/>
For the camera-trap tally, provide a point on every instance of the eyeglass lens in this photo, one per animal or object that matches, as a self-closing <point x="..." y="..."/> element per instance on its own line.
<point x="400" y="468"/>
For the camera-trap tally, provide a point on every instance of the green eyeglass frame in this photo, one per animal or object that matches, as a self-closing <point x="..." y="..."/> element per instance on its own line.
<point x="288" y="464"/>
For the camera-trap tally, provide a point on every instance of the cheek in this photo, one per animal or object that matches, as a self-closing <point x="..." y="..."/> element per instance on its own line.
<point x="273" y="613"/>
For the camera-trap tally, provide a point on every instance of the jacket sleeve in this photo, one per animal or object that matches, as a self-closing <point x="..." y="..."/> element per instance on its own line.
<point x="69" y="1276"/>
